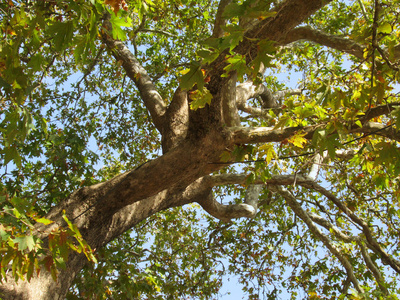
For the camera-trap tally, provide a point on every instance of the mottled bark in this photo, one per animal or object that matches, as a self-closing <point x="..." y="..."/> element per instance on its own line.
<point x="228" y="99"/>
<point x="177" y="121"/>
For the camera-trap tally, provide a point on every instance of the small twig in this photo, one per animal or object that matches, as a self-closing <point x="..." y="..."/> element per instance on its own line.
<point x="140" y="28"/>
<point x="158" y="31"/>
<point x="364" y="12"/>
<point x="383" y="54"/>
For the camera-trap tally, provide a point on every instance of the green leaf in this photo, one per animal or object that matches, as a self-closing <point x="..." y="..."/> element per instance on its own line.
<point x="121" y="22"/>
<point x="268" y="151"/>
<point x="208" y="55"/>
<point x="282" y="122"/>
<point x="234" y="10"/>
<point x="5" y="85"/>
<point x="44" y="221"/>
<point x="193" y="76"/>
<point x="260" y="14"/>
<point x="318" y="137"/>
<point x="235" y="36"/>
<point x="61" y="34"/>
<point x="36" y="62"/>
<point x="61" y="263"/>
<point x="25" y="242"/>
<point x="396" y="114"/>
<point x="4" y="235"/>
<point x="200" y="98"/>
<point x="79" y="53"/>
<point x="298" y="139"/>
<point x="385" y="28"/>
<point x="264" y="56"/>
<point x="236" y="63"/>
<point x="12" y="154"/>
<point x="225" y="156"/>
<point x="117" y="24"/>
<point x="213" y="43"/>
<point x="31" y="267"/>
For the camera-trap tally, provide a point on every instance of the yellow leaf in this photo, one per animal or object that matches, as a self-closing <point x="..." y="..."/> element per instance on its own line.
<point x="268" y="151"/>
<point x="11" y="31"/>
<point x="225" y="156"/>
<point x="385" y="28"/>
<point x="183" y="72"/>
<point x="298" y="140"/>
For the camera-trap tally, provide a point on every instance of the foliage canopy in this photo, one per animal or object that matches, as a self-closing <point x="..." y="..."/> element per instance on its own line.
<point x="301" y="192"/>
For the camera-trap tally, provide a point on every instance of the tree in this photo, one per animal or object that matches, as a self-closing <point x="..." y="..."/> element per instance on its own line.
<point x="116" y="114"/>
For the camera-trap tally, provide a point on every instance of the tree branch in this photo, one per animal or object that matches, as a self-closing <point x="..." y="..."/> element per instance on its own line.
<point x="298" y="210"/>
<point x="177" y="121"/>
<point x="151" y="98"/>
<point x="255" y="112"/>
<point x="252" y="194"/>
<point x="229" y="178"/>
<point x="228" y="99"/>
<point x="289" y="14"/>
<point x="332" y="41"/>
<point x="364" y="12"/>
<point x="158" y="31"/>
<point x="373" y="244"/>
<point x="322" y="38"/>
<point x="241" y="210"/>
<point x="248" y="90"/>
<point x="318" y="159"/>
<point x="374" y="269"/>
<point x="252" y="135"/>
<point x="330" y="227"/>
<point x="379" y="129"/>
<point x="276" y="182"/>
<point x="246" y="135"/>
<point x="219" y="20"/>
<point x="226" y="212"/>
<point x="379" y="111"/>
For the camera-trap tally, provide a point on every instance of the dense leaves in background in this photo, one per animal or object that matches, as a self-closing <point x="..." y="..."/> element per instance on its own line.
<point x="327" y="182"/>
